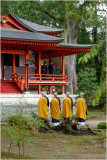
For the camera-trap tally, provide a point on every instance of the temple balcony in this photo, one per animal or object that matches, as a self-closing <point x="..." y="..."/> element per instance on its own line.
<point x="40" y="80"/>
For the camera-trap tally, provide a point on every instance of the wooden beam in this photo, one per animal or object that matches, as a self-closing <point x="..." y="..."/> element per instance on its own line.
<point x="39" y="70"/>
<point x="39" y="89"/>
<point x="39" y="62"/>
<point x="26" y="72"/>
<point x="63" y="89"/>
<point x="63" y="71"/>
<point x="13" y="51"/>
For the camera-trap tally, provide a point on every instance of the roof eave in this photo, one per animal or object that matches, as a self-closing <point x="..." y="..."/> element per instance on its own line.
<point x="17" y="19"/>
<point x="76" y="46"/>
<point x="60" y="31"/>
<point x="31" y="40"/>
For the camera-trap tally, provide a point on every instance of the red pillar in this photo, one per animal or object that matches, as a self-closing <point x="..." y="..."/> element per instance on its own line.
<point x="63" y="72"/>
<point x="39" y="89"/>
<point x="50" y="86"/>
<point x="26" y="73"/>
<point x="63" y="64"/>
<point x="39" y="70"/>
<point x="39" y="63"/>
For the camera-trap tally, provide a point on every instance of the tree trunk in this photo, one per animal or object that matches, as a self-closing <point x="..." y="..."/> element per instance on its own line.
<point x="70" y="66"/>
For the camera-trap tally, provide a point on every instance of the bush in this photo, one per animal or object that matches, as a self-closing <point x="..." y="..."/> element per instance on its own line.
<point x="68" y="128"/>
<point x="38" y="122"/>
<point x="74" y="117"/>
<point x="16" y="120"/>
<point x="102" y="125"/>
<point x="34" y="115"/>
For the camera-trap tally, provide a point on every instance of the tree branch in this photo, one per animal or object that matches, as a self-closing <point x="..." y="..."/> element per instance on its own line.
<point x="51" y="15"/>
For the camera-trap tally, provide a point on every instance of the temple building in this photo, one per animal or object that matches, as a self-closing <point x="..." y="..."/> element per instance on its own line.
<point x="23" y="45"/>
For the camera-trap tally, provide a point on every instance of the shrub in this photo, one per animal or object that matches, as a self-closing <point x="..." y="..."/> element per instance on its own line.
<point x="102" y="125"/>
<point x="16" y="132"/>
<point x="68" y="128"/>
<point x="34" y="115"/>
<point x="16" y="120"/>
<point x="74" y="117"/>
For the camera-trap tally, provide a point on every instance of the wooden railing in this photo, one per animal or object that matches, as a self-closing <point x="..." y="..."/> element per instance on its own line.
<point x="47" y="78"/>
<point x="18" y="80"/>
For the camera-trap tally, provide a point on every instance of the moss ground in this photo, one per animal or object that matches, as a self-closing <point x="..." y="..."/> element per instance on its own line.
<point x="60" y="146"/>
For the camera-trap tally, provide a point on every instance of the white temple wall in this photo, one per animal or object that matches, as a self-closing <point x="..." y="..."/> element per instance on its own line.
<point x="22" y="60"/>
<point x="11" y="103"/>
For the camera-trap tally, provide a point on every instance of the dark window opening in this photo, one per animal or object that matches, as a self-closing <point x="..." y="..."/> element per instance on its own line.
<point x="8" y="60"/>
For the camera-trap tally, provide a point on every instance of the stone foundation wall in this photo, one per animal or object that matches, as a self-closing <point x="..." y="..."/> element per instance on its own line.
<point x="12" y="103"/>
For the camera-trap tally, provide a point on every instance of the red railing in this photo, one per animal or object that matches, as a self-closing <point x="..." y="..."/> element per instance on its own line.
<point x="19" y="79"/>
<point x="47" y="78"/>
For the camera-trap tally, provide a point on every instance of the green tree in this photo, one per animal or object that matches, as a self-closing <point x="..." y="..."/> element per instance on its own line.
<point x="87" y="82"/>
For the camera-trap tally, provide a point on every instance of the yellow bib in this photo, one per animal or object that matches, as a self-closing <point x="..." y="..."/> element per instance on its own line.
<point x="43" y="110"/>
<point x="55" y="108"/>
<point x="81" y="108"/>
<point x="67" y="108"/>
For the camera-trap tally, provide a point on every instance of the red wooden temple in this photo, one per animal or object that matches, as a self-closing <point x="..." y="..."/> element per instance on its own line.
<point x="23" y="42"/>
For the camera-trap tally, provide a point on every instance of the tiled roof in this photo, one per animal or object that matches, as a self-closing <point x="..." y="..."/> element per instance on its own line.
<point x="69" y="45"/>
<point x="36" y="27"/>
<point x="15" y="34"/>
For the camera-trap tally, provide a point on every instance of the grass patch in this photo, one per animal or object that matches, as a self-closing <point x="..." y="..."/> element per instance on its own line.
<point x="96" y="112"/>
<point x="6" y="155"/>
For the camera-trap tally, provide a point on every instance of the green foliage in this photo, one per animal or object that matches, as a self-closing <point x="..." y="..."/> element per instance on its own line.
<point x="74" y="117"/>
<point x="16" y="120"/>
<point x="6" y="155"/>
<point x="84" y="36"/>
<point x="68" y="128"/>
<point x="102" y="125"/>
<point x="98" y="51"/>
<point x="93" y="52"/>
<point x="37" y="123"/>
<point x="34" y="115"/>
<point x="58" y="71"/>
<point x="87" y="82"/>
<point x="16" y="130"/>
<point x="100" y="93"/>
<point x="17" y="136"/>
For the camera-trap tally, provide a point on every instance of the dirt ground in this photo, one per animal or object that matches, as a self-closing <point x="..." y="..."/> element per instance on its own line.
<point x="60" y="146"/>
<point x="94" y="120"/>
